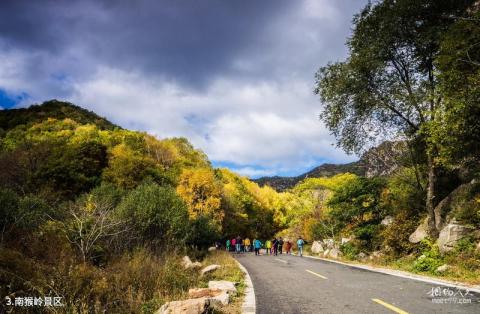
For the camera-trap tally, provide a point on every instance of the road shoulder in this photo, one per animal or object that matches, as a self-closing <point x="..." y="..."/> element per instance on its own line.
<point x="249" y="303"/>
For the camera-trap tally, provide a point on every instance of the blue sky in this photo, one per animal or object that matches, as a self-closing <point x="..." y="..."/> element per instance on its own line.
<point x="234" y="77"/>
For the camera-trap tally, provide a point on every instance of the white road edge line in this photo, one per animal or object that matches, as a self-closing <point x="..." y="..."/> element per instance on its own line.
<point x="281" y="260"/>
<point x="402" y="275"/>
<point x="249" y="304"/>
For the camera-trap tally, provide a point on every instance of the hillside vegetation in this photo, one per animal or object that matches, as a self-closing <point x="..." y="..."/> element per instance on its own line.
<point x="99" y="215"/>
<point x="411" y="77"/>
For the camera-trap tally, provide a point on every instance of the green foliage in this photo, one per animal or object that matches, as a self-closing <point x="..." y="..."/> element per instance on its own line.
<point x="430" y="259"/>
<point x="202" y="232"/>
<point x="456" y="130"/>
<point x="395" y="236"/>
<point x="9" y="119"/>
<point x="156" y="213"/>
<point x="358" y="202"/>
<point x="349" y="250"/>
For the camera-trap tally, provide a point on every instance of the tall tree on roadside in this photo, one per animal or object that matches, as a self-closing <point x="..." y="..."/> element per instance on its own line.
<point x="388" y="86"/>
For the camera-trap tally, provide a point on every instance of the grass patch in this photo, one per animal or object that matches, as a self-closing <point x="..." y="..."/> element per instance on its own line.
<point x="230" y="272"/>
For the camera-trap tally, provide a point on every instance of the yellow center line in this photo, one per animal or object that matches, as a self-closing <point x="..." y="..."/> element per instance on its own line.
<point x="389" y="306"/>
<point x="314" y="273"/>
<point x="281" y="260"/>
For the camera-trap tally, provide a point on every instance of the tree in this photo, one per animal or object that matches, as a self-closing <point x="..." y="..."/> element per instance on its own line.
<point x="201" y="192"/>
<point x="92" y="219"/>
<point x="388" y="86"/>
<point x="457" y="131"/>
<point x="156" y="214"/>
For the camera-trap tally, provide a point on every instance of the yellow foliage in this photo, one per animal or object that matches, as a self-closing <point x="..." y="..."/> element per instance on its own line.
<point x="200" y="191"/>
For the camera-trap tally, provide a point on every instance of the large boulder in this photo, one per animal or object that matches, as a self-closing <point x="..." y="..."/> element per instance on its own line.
<point x="223" y="285"/>
<point x="190" y="306"/>
<point x="443" y="268"/>
<point x="217" y="295"/>
<point x="196" y="293"/>
<point x="458" y="198"/>
<point x="209" y="269"/>
<point x="335" y="253"/>
<point x="212" y="248"/>
<point x="186" y="262"/>
<point x="420" y="233"/>
<point x="451" y="234"/>
<point x="317" y="247"/>
<point x="329" y="243"/>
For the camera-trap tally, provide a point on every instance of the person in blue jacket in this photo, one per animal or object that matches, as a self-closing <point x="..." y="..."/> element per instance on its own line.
<point x="258" y="245"/>
<point x="300" y="244"/>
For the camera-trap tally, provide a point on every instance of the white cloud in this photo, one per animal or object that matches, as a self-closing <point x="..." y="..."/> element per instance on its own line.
<point x="259" y="115"/>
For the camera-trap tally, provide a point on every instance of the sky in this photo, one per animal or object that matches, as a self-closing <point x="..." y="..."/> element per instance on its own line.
<point x="234" y="77"/>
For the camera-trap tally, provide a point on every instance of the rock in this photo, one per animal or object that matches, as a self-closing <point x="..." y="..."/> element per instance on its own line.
<point x="317" y="247"/>
<point x="216" y="295"/>
<point x="190" y="306"/>
<point x="223" y="285"/>
<point x="209" y="269"/>
<point x="346" y="240"/>
<point x="212" y="248"/>
<point x="443" y="268"/>
<point x="377" y="254"/>
<point x="203" y="292"/>
<point x="420" y="233"/>
<point x="387" y="221"/>
<point x="187" y="263"/>
<point x="450" y="234"/>
<point x="454" y="199"/>
<point x="334" y="253"/>
<point x="330" y="243"/>
<point x="326" y="252"/>
<point x="362" y="256"/>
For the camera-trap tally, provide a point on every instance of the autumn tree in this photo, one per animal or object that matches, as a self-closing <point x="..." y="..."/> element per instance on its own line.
<point x="201" y="192"/>
<point x="388" y="86"/>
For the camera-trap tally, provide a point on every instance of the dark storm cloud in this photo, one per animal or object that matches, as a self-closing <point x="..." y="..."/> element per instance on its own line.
<point x="186" y="41"/>
<point x="233" y="76"/>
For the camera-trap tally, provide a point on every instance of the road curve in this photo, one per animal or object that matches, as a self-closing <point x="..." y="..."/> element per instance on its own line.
<point x="289" y="284"/>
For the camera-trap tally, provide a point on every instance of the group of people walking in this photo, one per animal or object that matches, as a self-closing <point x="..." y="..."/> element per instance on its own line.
<point x="272" y="247"/>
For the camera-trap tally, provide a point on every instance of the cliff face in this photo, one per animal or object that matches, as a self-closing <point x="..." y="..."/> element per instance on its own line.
<point x="378" y="161"/>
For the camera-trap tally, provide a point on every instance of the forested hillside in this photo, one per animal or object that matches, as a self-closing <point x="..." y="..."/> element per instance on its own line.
<point x="84" y="203"/>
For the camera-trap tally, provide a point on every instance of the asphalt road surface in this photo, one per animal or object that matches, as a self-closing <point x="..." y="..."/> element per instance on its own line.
<point x="290" y="284"/>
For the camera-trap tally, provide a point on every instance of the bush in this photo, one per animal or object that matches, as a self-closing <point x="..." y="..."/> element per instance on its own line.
<point x="156" y="214"/>
<point x="202" y="232"/>
<point x="349" y="250"/>
<point x="368" y="235"/>
<point x="430" y="259"/>
<point x="395" y="236"/>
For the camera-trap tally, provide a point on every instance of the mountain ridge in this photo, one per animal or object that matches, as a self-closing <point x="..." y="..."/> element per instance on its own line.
<point x="377" y="161"/>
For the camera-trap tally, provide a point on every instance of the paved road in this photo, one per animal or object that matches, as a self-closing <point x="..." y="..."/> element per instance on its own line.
<point x="289" y="284"/>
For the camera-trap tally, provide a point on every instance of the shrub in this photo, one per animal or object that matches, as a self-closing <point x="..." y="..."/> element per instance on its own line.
<point x="430" y="259"/>
<point x="395" y="236"/>
<point x="349" y="250"/>
<point x="156" y="214"/>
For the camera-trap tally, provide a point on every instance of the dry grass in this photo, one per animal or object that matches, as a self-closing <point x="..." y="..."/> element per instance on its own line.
<point x="229" y="271"/>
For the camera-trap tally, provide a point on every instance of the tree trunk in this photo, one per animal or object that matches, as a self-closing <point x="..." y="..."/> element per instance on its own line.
<point x="432" y="183"/>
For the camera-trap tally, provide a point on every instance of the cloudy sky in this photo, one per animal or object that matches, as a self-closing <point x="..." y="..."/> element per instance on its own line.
<point x="234" y="77"/>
